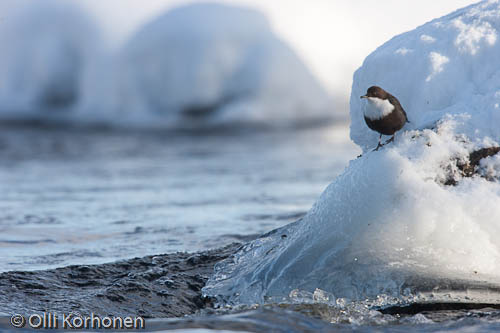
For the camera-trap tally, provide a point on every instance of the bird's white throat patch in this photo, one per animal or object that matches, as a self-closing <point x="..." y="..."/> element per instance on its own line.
<point x="377" y="108"/>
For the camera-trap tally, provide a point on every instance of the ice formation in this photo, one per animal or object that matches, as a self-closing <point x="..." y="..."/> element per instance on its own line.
<point x="48" y="46"/>
<point x="418" y="212"/>
<point x="214" y="63"/>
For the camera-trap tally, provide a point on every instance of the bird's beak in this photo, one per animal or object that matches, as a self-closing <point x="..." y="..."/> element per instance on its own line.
<point x="364" y="96"/>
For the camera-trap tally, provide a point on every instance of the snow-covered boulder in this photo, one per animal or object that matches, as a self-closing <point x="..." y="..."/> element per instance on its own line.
<point x="447" y="66"/>
<point x="47" y="47"/>
<point x="215" y="64"/>
<point x="422" y="212"/>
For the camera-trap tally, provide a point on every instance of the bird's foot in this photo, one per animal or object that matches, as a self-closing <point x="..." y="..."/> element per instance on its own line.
<point x="389" y="141"/>
<point x="378" y="146"/>
<point x="383" y="144"/>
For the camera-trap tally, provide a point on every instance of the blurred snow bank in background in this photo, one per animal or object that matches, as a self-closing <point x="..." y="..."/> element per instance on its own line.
<point x="48" y="49"/>
<point x="201" y="64"/>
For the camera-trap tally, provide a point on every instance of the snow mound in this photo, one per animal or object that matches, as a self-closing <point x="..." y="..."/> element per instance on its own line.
<point x="421" y="215"/>
<point x="447" y="66"/>
<point x="215" y="64"/>
<point x="48" y="47"/>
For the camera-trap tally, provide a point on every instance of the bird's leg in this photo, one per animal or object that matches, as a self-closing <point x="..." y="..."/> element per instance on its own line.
<point x="390" y="140"/>
<point x="379" y="143"/>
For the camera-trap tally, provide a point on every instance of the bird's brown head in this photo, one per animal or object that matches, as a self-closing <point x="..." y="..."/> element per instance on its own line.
<point x="377" y="92"/>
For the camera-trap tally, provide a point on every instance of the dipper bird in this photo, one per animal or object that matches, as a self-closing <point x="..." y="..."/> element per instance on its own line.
<point x="383" y="113"/>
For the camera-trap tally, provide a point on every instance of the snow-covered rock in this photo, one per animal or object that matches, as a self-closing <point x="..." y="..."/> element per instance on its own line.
<point x="215" y="64"/>
<point x="447" y="66"/>
<point x="392" y="223"/>
<point x="47" y="47"/>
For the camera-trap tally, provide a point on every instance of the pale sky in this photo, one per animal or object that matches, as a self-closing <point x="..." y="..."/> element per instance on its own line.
<point x="331" y="36"/>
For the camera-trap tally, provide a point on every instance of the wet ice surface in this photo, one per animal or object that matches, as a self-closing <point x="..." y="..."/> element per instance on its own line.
<point x="85" y="196"/>
<point x="165" y="286"/>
